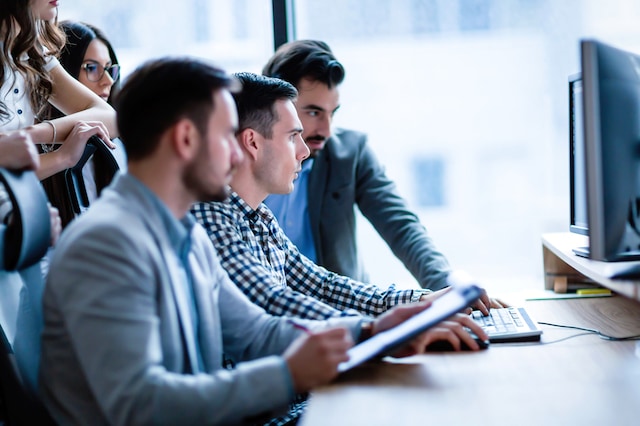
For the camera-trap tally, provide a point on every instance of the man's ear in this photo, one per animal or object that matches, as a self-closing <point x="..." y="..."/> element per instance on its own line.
<point x="250" y="141"/>
<point x="186" y="139"/>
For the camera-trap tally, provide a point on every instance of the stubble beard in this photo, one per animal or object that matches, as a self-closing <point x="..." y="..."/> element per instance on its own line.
<point x="195" y="180"/>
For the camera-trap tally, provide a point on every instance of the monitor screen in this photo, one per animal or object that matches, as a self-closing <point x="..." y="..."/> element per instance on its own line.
<point x="611" y="120"/>
<point x="577" y="179"/>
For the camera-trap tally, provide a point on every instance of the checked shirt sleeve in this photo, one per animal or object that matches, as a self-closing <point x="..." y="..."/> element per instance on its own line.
<point x="248" y="267"/>
<point x="336" y="290"/>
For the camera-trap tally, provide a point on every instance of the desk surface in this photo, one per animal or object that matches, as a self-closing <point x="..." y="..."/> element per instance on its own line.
<point x="568" y="378"/>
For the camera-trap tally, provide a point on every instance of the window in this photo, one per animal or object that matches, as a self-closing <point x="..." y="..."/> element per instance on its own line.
<point x="234" y="34"/>
<point x="475" y="90"/>
<point x="428" y="182"/>
<point x="481" y="86"/>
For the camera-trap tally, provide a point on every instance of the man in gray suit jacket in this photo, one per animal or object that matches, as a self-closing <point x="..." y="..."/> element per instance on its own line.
<point x="137" y="308"/>
<point x="341" y="173"/>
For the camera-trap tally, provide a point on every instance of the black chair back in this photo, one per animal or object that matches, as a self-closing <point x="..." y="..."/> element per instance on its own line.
<point x="27" y="239"/>
<point x="23" y="242"/>
<point x="76" y="190"/>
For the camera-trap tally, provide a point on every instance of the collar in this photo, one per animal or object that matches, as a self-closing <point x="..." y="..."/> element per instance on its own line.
<point x="261" y="213"/>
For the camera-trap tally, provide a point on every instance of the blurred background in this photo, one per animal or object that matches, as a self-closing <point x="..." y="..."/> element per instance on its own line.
<point x="464" y="101"/>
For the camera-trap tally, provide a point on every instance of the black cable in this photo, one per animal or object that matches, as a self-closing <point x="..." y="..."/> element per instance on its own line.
<point x="593" y="331"/>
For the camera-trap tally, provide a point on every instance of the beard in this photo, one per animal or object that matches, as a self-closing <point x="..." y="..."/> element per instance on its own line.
<point x="220" y="195"/>
<point x="196" y="179"/>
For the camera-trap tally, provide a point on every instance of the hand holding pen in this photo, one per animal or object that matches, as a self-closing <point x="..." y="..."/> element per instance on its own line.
<point x="314" y="356"/>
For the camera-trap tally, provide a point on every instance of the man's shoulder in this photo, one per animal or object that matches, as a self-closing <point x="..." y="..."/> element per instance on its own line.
<point x="121" y="213"/>
<point x="109" y="219"/>
<point x="98" y="240"/>
<point x="342" y="135"/>
<point x="344" y="143"/>
<point x="345" y="149"/>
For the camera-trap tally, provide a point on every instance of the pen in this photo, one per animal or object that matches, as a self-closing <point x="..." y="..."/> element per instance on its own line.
<point x="298" y="326"/>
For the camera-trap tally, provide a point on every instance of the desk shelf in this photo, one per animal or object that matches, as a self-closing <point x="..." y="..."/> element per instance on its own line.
<point x="560" y="263"/>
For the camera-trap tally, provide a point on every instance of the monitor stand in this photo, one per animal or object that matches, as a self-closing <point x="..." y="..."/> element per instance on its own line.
<point x="628" y="271"/>
<point x="581" y="251"/>
<point x="623" y="257"/>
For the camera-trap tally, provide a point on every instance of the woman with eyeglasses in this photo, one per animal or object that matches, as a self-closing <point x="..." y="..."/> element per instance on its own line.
<point x="32" y="78"/>
<point x="88" y="57"/>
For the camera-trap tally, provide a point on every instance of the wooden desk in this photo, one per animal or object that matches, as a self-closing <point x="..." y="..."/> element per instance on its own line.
<point x="568" y="378"/>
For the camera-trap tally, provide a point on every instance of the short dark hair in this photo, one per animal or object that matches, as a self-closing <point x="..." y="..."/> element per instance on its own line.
<point x="256" y="101"/>
<point x="300" y="59"/>
<point x="162" y="91"/>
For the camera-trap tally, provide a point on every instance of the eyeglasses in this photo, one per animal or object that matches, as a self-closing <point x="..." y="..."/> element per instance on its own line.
<point x="95" y="71"/>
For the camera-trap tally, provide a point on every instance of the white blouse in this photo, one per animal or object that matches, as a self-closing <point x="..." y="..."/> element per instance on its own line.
<point x="16" y="100"/>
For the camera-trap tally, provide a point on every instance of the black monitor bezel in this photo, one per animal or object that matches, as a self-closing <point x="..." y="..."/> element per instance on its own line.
<point x="574" y="226"/>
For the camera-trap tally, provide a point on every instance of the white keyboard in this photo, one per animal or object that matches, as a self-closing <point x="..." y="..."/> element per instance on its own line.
<point x="508" y="325"/>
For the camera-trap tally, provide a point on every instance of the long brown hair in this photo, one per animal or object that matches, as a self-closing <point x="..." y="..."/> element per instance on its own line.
<point x="24" y="34"/>
<point x="78" y="37"/>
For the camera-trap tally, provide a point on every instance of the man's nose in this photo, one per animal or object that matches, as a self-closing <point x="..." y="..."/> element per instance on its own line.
<point x="324" y="126"/>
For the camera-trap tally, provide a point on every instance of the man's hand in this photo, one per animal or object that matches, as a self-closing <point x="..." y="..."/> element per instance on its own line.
<point x="484" y="303"/>
<point x="397" y="315"/>
<point x="455" y="330"/>
<point x="314" y="357"/>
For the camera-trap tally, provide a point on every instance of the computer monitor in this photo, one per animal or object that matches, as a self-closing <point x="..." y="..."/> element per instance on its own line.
<point x="611" y="120"/>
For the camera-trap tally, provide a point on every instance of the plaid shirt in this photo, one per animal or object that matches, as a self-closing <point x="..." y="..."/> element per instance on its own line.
<point x="270" y="270"/>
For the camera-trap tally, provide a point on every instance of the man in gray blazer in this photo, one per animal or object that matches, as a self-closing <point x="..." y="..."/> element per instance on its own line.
<point x="137" y="308"/>
<point x="341" y="173"/>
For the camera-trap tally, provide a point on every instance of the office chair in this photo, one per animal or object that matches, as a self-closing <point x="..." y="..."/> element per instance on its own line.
<point x="74" y="181"/>
<point x="23" y="242"/>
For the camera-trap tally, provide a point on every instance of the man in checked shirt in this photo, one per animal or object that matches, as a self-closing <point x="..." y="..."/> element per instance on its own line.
<point x="255" y="252"/>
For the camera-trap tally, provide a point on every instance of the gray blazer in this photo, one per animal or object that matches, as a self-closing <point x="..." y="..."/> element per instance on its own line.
<point x="347" y="173"/>
<point x="113" y="350"/>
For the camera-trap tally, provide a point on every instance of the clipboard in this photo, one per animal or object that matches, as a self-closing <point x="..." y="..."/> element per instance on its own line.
<point x="458" y="298"/>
